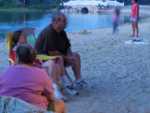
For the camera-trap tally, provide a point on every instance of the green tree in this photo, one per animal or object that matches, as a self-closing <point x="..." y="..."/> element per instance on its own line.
<point x="31" y="3"/>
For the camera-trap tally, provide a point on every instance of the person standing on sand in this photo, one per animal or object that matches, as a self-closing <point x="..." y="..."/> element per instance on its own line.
<point x="53" y="40"/>
<point x="115" y="19"/>
<point x="135" y="18"/>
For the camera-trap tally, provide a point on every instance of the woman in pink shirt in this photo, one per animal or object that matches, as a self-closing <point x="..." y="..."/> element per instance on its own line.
<point x="135" y="18"/>
<point x="27" y="82"/>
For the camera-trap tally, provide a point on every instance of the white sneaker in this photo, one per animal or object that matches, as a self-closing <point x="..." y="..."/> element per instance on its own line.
<point x="79" y="84"/>
<point x="71" y="91"/>
<point x="65" y="81"/>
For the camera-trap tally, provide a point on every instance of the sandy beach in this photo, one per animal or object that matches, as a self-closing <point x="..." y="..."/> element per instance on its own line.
<point x="118" y="74"/>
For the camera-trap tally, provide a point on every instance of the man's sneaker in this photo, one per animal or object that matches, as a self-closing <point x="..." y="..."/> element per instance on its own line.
<point x="71" y="91"/>
<point x="79" y="84"/>
<point x="65" y="81"/>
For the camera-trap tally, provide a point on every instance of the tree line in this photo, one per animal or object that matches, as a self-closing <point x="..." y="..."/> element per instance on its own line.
<point x="48" y="3"/>
<point x="31" y="3"/>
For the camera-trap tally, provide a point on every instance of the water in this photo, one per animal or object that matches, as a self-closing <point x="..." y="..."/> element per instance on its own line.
<point x="81" y="22"/>
<point x="10" y="21"/>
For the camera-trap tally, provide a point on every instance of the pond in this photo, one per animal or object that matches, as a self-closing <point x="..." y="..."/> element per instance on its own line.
<point x="10" y="21"/>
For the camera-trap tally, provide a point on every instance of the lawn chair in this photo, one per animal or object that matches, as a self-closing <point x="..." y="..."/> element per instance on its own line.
<point x="15" y="105"/>
<point x="31" y="39"/>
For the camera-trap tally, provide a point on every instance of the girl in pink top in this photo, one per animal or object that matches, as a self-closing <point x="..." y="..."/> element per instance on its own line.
<point x="134" y="18"/>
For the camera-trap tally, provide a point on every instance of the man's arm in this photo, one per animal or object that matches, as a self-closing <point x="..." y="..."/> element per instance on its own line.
<point x="69" y="51"/>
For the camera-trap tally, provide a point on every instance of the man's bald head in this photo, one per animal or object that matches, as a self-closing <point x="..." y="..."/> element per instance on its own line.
<point x="57" y="16"/>
<point x="59" y="21"/>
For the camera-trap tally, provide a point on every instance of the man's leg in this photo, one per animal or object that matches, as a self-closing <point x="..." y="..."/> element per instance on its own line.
<point x="74" y="61"/>
<point x="76" y="66"/>
<point x="60" y="63"/>
<point x="52" y="69"/>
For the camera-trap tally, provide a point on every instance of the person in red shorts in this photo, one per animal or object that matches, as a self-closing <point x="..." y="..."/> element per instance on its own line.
<point x="135" y="18"/>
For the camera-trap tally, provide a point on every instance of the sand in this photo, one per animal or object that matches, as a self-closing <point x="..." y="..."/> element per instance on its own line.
<point x="118" y="74"/>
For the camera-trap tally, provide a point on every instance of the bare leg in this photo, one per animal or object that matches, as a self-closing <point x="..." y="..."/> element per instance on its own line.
<point x="74" y="61"/>
<point x="54" y="69"/>
<point x="77" y="66"/>
<point x="133" y="29"/>
<point x="59" y="107"/>
<point x="137" y="29"/>
<point x="60" y="62"/>
<point x="55" y="72"/>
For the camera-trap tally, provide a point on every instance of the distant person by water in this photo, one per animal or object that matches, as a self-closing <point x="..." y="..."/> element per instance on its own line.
<point x="135" y="18"/>
<point x="115" y="19"/>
